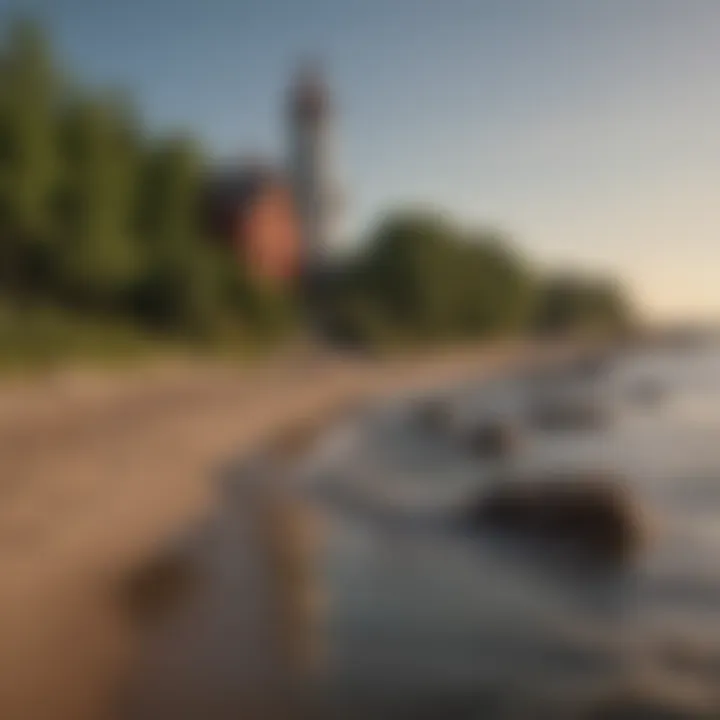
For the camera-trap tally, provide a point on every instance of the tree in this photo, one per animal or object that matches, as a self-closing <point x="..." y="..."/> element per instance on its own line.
<point x="169" y="207"/>
<point x="98" y="257"/>
<point x="29" y="89"/>
<point x="410" y="269"/>
<point x="178" y="288"/>
<point x="495" y="286"/>
<point x="575" y="302"/>
<point x="424" y="279"/>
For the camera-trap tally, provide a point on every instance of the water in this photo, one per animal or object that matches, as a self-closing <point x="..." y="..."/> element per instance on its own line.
<point x="423" y="620"/>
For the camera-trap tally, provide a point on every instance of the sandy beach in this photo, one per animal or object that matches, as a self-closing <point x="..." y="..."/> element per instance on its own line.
<point x="100" y="469"/>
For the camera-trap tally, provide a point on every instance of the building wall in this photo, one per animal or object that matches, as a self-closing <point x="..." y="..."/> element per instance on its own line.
<point x="267" y="234"/>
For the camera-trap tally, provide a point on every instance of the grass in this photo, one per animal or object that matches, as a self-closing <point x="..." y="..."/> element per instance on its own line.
<point x="45" y="338"/>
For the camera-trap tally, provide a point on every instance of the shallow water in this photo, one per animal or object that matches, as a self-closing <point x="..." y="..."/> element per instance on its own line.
<point x="423" y="620"/>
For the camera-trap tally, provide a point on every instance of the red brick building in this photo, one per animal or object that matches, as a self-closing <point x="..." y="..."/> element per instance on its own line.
<point x="252" y="209"/>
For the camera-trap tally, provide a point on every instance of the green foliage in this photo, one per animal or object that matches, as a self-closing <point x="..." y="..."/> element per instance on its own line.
<point x="46" y="336"/>
<point x="572" y="302"/>
<point x="98" y="254"/>
<point x="171" y="182"/>
<point x="493" y="287"/>
<point x="28" y="155"/>
<point x="271" y="313"/>
<point x="408" y="269"/>
<point x="424" y="279"/>
<point x="181" y="285"/>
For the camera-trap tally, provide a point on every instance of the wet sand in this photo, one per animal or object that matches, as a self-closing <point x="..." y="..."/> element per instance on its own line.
<point x="101" y="471"/>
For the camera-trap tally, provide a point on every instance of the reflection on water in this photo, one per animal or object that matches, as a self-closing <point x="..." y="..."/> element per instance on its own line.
<point x="423" y="620"/>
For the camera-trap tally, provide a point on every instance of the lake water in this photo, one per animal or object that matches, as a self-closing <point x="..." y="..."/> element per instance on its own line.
<point x="423" y="620"/>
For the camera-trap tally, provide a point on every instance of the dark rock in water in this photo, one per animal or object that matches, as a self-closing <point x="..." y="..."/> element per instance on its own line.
<point x="586" y="369"/>
<point x="433" y="414"/>
<point x="559" y="414"/>
<point x="657" y="701"/>
<point x="591" y="367"/>
<point x="594" y="515"/>
<point x="492" y="439"/>
<point x="647" y="392"/>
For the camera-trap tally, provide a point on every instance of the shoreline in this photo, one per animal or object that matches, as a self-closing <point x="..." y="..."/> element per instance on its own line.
<point x="100" y="476"/>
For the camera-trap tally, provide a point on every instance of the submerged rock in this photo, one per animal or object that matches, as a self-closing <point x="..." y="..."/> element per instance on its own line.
<point x="585" y="370"/>
<point x="492" y="440"/>
<point x="562" y="414"/>
<point x="647" y="392"/>
<point x="591" y="367"/>
<point x="666" y="697"/>
<point x="592" y="514"/>
<point x="433" y="414"/>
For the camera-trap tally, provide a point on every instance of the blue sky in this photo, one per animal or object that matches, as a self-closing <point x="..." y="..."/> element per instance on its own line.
<point x="588" y="129"/>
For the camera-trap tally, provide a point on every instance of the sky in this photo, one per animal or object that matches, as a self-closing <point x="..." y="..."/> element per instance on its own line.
<point x="588" y="130"/>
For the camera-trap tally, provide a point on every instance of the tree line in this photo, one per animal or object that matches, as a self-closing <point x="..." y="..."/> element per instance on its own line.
<point x="423" y="278"/>
<point x="102" y="242"/>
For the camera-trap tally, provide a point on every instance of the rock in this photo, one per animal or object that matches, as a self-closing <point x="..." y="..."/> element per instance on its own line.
<point x="560" y="414"/>
<point x="666" y="697"/>
<point x="593" y="514"/>
<point x="591" y="367"/>
<point x="492" y="440"/>
<point x="584" y="369"/>
<point x="647" y="392"/>
<point x="433" y="414"/>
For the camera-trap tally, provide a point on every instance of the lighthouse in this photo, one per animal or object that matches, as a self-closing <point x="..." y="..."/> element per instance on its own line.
<point x="312" y="171"/>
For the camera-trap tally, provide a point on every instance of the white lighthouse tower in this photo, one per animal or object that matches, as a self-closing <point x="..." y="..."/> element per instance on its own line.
<point x="312" y="169"/>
